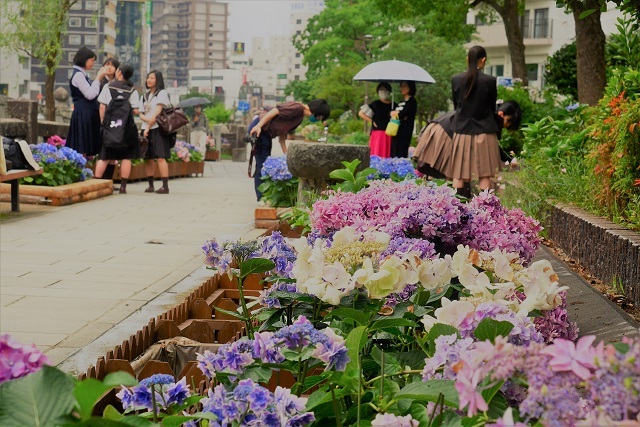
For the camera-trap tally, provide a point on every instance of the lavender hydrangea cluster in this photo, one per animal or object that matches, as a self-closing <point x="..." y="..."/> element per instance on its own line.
<point x="616" y="381"/>
<point x="492" y="226"/>
<point x="429" y="212"/>
<point x="401" y="245"/>
<point x="275" y="168"/>
<point x="250" y="404"/>
<point x="524" y="331"/>
<point x="449" y="350"/>
<point x="167" y="392"/>
<point x="556" y="324"/>
<point x="269" y="347"/>
<point x="402" y="168"/>
<point x="403" y="209"/>
<point x="276" y="248"/>
<point x="393" y="299"/>
<point x="18" y="360"/>
<point x="269" y="301"/>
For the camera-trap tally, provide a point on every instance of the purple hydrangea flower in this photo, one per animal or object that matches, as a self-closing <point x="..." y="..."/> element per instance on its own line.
<point x="17" y="360"/>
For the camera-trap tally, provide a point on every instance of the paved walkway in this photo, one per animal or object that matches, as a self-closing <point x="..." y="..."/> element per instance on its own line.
<point x="69" y="274"/>
<point x="78" y="280"/>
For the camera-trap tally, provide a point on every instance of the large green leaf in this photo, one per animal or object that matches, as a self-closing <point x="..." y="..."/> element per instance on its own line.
<point x="391" y="365"/>
<point x="342" y="174"/>
<point x="38" y="399"/>
<point x="429" y="391"/>
<point x="178" y="420"/>
<point x="390" y="323"/>
<point x="489" y="329"/>
<point x="256" y="265"/>
<point x="355" y="342"/>
<point x="90" y="390"/>
<point x="361" y="318"/>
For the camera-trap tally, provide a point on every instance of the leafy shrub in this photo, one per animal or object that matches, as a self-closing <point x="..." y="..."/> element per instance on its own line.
<point x="562" y="70"/>
<point x="279" y="188"/>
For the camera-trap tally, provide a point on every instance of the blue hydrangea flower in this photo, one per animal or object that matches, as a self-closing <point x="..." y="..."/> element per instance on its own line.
<point x="276" y="169"/>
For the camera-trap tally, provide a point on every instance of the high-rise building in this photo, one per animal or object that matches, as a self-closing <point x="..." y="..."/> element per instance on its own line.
<point x="188" y="35"/>
<point x="129" y="36"/>
<point x="301" y="12"/>
<point x="91" y="23"/>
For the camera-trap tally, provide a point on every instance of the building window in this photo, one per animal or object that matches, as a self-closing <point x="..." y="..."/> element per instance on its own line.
<point x="541" y="24"/>
<point x="76" y="6"/>
<point x="90" y="40"/>
<point x="526" y="25"/>
<point x="480" y="21"/>
<point x="298" y="55"/>
<point x="75" y="22"/>
<point x="532" y="72"/>
<point x="298" y="21"/>
<point x="75" y="39"/>
<point x="297" y="67"/>
<point x="91" y="5"/>
<point x="70" y="56"/>
<point x="298" y="32"/>
<point x="91" y="22"/>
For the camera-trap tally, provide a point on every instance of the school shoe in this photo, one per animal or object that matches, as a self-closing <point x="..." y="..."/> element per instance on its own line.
<point x="163" y="190"/>
<point x="150" y="190"/>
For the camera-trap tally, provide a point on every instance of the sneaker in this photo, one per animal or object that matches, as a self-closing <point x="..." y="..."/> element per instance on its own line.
<point x="150" y="190"/>
<point x="163" y="190"/>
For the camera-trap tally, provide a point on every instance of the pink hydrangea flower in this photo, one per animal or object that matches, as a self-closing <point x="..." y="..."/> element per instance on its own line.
<point x="17" y="360"/>
<point x="577" y="358"/>
<point x="466" y="385"/>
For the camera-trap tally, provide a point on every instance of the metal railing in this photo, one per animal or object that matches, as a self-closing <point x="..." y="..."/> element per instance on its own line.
<point x="537" y="29"/>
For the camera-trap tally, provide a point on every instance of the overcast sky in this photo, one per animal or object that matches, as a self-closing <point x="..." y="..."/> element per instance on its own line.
<point x="258" y="18"/>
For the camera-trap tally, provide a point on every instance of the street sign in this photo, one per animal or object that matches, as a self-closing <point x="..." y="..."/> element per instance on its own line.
<point x="243" y="106"/>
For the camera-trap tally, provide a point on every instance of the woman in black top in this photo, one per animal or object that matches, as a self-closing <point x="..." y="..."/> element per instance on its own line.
<point x="406" y="113"/>
<point x="379" y="141"/>
<point x="475" y="150"/>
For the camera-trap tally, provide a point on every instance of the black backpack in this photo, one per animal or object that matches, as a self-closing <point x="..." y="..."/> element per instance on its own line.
<point x="119" y="131"/>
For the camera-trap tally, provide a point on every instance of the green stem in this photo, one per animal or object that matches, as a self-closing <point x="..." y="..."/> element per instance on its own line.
<point x="153" y="402"/>
<point x="335" y="408"/>
<point x="245" y="311"/>
<point x="382" y="375"/>
<point x="359" y="370"/>
<point x="413" y="371"/>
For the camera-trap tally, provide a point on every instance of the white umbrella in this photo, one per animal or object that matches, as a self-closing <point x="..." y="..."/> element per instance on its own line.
<point x="394" y="71"/>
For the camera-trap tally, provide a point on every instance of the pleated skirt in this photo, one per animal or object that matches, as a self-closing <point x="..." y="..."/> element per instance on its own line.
<point x="380" y="143"/>
<point x="434" y="149"/>
<point x="475" y="156"/>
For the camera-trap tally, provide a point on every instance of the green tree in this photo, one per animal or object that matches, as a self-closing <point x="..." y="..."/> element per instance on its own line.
<point x="439" y="57"/>
<point x="510" y="12"/>
<point x="302" y="90"/>
<point x="561" y="70"/>
<point x="336" y="85"/>
<point x="345" y="32"/>
<point x="36" y="27"/>
<point x="218" y="113"/>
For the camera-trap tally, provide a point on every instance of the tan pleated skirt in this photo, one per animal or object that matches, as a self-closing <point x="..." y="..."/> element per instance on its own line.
<point x="475" y="156"/>
<point x="434" y="149"/>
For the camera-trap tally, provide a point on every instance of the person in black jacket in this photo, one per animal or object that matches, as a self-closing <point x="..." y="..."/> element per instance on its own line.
<point x="406" y="113"/>
<point x="433" y="153"/>
<point x="475" y="151"/>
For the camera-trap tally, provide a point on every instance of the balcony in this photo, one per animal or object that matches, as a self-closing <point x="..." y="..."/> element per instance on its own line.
<point x="537" y="29"/>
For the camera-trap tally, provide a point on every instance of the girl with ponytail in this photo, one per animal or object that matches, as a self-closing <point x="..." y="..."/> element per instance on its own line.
<point x="475" y="152"/>
<point x="120" y="88"/>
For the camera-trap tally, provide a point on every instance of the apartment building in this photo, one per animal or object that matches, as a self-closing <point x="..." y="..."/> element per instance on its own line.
<point x="188" y="35"/>
<point x="545" y="27"/>
<point x="91" y="23"/>
<point x="301" y="12"/>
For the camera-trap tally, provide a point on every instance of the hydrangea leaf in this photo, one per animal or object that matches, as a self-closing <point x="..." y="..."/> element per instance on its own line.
<point x="361" y="318"/>
<point x="390" y="323"/>
<point x="256" y="265"/>
<point x="489" y="329"/>
<point x="429" y="391"/>
<point x="38" y="399"/>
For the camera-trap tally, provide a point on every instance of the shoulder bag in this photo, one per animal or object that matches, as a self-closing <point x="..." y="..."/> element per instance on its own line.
<point x="171" y="119"/>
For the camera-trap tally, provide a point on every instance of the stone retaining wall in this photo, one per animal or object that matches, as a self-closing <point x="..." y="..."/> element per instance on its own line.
<point x="608" y="251"/>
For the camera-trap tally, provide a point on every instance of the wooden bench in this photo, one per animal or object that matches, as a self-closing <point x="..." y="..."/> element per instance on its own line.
<point x="13" y="177"/>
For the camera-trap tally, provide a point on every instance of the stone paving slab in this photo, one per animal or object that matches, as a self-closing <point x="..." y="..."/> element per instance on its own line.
<point x="71" y="274"/>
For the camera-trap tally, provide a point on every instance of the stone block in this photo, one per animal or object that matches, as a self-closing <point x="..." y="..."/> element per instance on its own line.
<point x="239" y="154"/>
<point x="14" y="128"/>
<point x="26" y="111"/>
<point x="312" y="160"/>
<point x="47" y="128"/>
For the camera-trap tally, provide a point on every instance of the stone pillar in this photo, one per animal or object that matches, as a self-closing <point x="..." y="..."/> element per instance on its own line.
<point x="312" y="162"/>
<point x="26" y="111"/>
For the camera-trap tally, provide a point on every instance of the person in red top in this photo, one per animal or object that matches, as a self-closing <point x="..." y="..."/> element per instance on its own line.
<point x="278" y="122"/>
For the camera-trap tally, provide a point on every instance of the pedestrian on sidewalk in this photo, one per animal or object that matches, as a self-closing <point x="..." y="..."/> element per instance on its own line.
<point x="475" y="152"/>
<point x="199" y="129"/>
<point x="120" y="89"/>
<point x="110" y="65"/>
<point x="278" y="122"/>
<point x="378" y="113"/>
<point x="406" y="113"/>
<point x="84" y="128"/>
<point x="159" y="148"/>
<point x="433" y="153"/>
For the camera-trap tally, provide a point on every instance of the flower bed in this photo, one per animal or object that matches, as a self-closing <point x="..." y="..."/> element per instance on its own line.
<point x="403" y="306"/>
<point x="61" y="165"/>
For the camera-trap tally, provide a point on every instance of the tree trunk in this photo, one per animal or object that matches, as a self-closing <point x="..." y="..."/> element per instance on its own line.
<point x="511" y="18"/>
<point x="590" y="45"/>
<point x="49" y="101"/>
